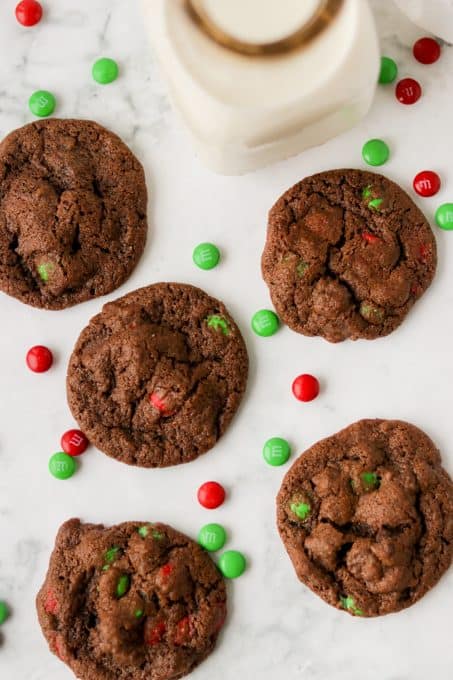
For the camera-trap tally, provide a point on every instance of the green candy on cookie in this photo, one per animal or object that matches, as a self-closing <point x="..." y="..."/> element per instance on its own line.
<point x="370" y="480"/>
<point x="371" y="313"/>
<point x="218" y="323"/>
<point x="299" y="505"/>
<point x="349" y="604"/>
<point x="45" y="270"/>
<point x="301" y="510"/>
<point x="301" y="268"/>
<point x="123" y="585"/>
<point x="144" y="531"/>
<point x="374" y="203"/>
<point x="110" y="556"/>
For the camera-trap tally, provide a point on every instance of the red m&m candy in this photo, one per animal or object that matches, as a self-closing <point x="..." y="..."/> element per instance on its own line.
<point x="154" y="634"/>
<point x="426" y="183"/>
<point x="50" y="603"/>
<point x="159" y="404"/>
<point x="74" y="442"/>
<point x="426" y="50"/>
<point x="305" y="387"/>
<point x="39" y="359"/>
<point x="28" y="12"/>
<point x="408" y="91"/>
<point x="210" y="495"/>
<point x="166" y="570"/>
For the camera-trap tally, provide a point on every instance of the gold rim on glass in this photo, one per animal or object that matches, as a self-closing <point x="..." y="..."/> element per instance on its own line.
<point x="321" y="18"/>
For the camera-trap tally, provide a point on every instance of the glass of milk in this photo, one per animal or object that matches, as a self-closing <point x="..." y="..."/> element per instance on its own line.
<point x="257" y="81"/>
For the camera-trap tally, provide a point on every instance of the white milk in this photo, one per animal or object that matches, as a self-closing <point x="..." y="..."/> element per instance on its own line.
<point x="248" y="111"/>
<point x="435" y="16"/>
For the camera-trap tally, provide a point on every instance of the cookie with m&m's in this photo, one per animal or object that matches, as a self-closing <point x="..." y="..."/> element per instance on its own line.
<point x="156" y="378"/>
<point x="347" y="255"/>
<point x="137" y="600"/>
<point x="366" y="517"/>
<point x="72" y="212"/>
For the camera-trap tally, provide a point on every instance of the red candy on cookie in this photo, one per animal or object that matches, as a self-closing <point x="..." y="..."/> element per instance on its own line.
<point x="305" y="387"/>
<point x="74" y="442"/>
<point x="155" y="634"/>
<point x="166" y="570"/>
<point x="159" y="404"/>
<point x="210" y="495"/>
<point x="51" y="603"/>
<point x="426" y="183"/>
<point x="39" y="359"/>
<point x="369" y="237"/>
<point x="28" y="12"/>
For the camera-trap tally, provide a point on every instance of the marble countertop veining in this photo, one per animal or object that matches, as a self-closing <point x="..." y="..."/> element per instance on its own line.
<point x="276" y="627"/>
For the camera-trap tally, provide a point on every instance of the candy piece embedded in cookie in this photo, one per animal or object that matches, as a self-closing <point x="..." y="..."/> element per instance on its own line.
<point x="72" y="212"/>
<point x="366" y="517"/>
<point x="157" y="376"/>
<point x="347" y="255"/>
<point x="137" y="600"/>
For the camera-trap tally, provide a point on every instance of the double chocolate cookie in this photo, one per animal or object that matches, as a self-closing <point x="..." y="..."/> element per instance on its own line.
<point x="367" y="517"/>
<point x="72" y="212"/>
<point x="347" y="255"/>
<point x="134" y="601"/>
<point x="156" y="378"/>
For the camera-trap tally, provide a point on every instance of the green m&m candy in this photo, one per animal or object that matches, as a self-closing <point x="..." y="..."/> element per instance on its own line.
<point x="122" y="585"/>
<point x="105" y="71"/>
<point x="349" y="604"/>
<point x="276" y="451"/>
<point x="206" y="256"/>
<point x="212" y="537"/>
<point x="265" y="323"/>
<point x="301" y="268"/>
<point x="218" y="323"/>
<point x="62" y="466"/>
<point x="301" y="510"/>
<point x="110" y="556"/>
<point x="375" y="152"/>
<point x="373" y="314"/>
<point x="375" y="203"/>
<point x="370" y="481"/>
<point x="42" y="103"/>
<point x="232" y="564"/>
<point x="45" y="269"/>
<point x="147" y="529"/>
<point x="4" y="612"/>
<point x="388" y="72"/>
<point x="444" y="216"/>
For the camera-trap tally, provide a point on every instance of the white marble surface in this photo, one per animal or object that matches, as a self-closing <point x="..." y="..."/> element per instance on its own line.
<point x="276" y="627"/>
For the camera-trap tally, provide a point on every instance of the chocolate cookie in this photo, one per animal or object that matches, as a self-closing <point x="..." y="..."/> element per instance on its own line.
<point x="135" y="601"/>
<point x="367" y="517"/>
<point x="347" y="255"/>
<point x="72" y="212"/>
<point x="156" y="378"/>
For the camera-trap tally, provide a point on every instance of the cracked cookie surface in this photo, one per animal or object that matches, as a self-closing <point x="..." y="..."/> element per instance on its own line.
<point x="366" y="517"/>
<point x="72" y="212"/>
<point x="157" y="376"/>
<point x="347" y="254"/>
<point x="137" y="601"/>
